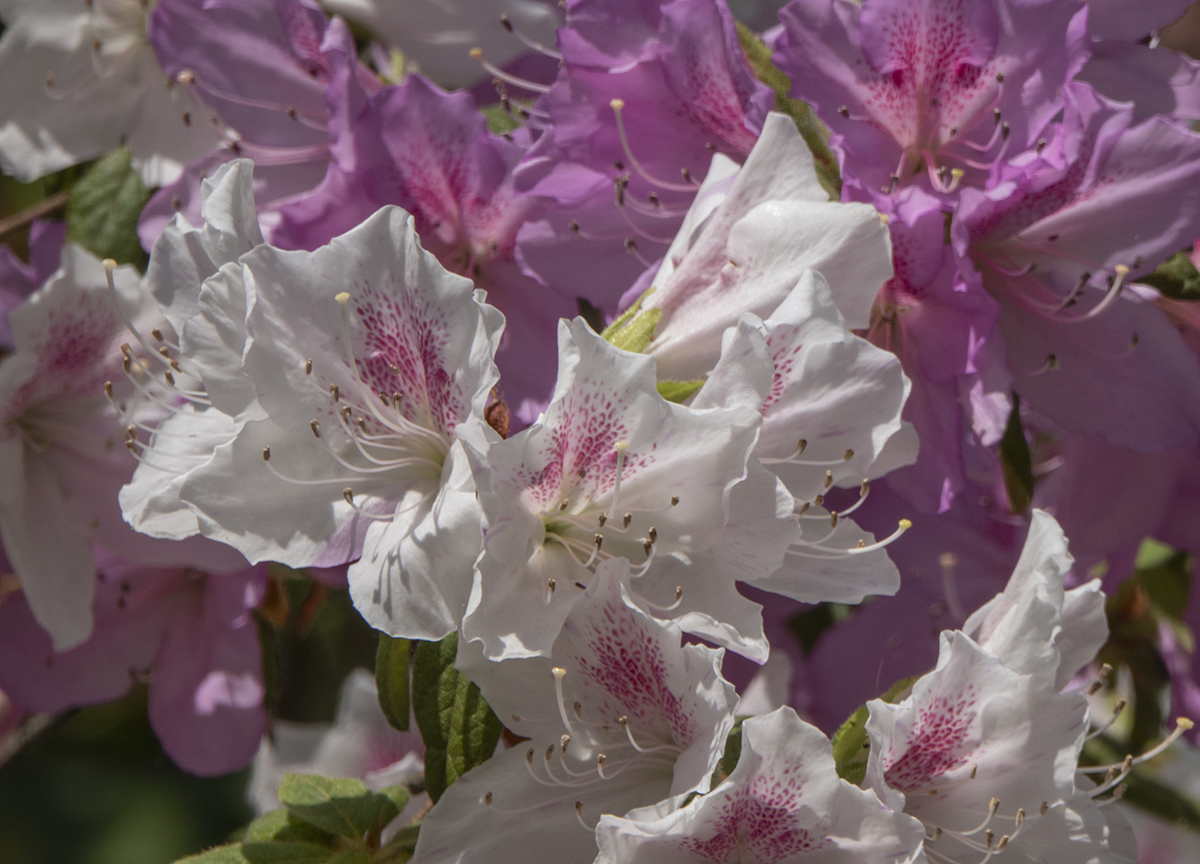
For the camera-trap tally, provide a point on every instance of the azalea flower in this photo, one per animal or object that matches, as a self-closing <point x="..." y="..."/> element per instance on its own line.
<point x="930" y="91"/>
<point x="646" y="94"/>
<point x="68" y="395"/>
<point x="19" y="279"/>
<point x="435" y="37"/>
<point x="614" y="470"/>
<point x="745" y="244"/>
<point x="365" y="355"/>
<point x="80" y="78"/>
<point x="190" y="635"/>
<point x="618" y="716"/>
<point x="783" y="803"/>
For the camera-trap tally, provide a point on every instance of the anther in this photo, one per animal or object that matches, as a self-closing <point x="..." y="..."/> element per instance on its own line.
<point x="1041" y="145"/>
<point x="828" y="479"/>
<point x="487" y="799"/>
<point x="848" y="456"/>
<point x="647" y="547"/>
<point x="687" y="175"/>
<point x="601" y="520"/>
<point x="833" y="519"/>
<point x="1045" y="806"/>
<point x="990" y="837"/>
<point x="334" y="392"/>
<point x="974" y="769"/>
<point x="307" y="367"/>
<point x="315" y="427"/>
<point x="674" y="500"/>
<point x="266" y="454"/>
<point x="844" y="112"/>
<point x="1000" y="77"/>
<point x="996" y="116"/>
<point x="652" y="534"/>
<point x="108" y="389"/>
<point x="157" y="334"/>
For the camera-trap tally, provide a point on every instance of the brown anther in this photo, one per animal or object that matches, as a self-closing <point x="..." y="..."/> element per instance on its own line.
<point x="574" y="226"/>
<point x="626" y="520"/>
<point x="175" y="365"/>
<point x="828" y="479"/>
<point x="564" y="741"/>
<point x="348" y="494"/>
<point x="170" y="378"/>
<point x="108" y="390"/>
<point x="862" y="544"/>
<point x="157" y="334"/>
<point x="843" y="111"/>
<point x="803" y="508"/>
<point x="833" y="519"/>
<point x="630" y="245"/>
<point x="597" y="541"/>
<point x="307" y="367"/>
<point x="974" y="769"/>
<point x="315" y="427"/>
<point x="1003" y="842"/>
<point x="849" y="454"/>
<point x="549" y="752"/>
<point x="601" y="520"/>
<point x="578" y="709"/>
<point x="266" y="454"/>
<point x="1045" y="806"/>
<point x="550" y="585"/>
<point x="334" y="393"/>
<point x="991" y="837"/>
<point x="674" y="500"/>
<point x="678" y="592"/>
<point x="652" y="534"/>
<point x="687" y="175"/>
<point x="801" y="445"/>
<point x="646" y="547"/>
<point x="487" y="799"/>
<point x="126" y="350"/>
<point x="346" y="413"/>
<point x="818" y="501"/>
<point x="1000" y="77"/>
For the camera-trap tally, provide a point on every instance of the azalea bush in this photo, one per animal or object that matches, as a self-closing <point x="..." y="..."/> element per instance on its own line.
<point x="675" y="431"/>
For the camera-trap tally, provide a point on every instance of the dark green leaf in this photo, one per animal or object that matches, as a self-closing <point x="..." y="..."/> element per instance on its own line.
<point x="400" y="847"/>
<point x="286" y="853"/>
<point x="351" y="856"/>
<point x="1164" y="574"/>
<point x="1016" y="461"/>
<point x="733" y="751"/>
<point x="814" y="134"/>
<point x="103" y="212"/>
<point x="678" y="391"/>
<point x="391" y="679"/>
<point x="339" y="805"/>
<point x="1176" y="277"/>
<point x="850" y="744"/>
<point x="460" y="731"/>
<point x="808" y="626"/>
<point x="231" y="854"/>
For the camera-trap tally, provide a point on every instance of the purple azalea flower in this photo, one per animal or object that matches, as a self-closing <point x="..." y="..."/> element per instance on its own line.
<point x="188" y="634"/>
<point x="1054" y="238"/>
<point x="272" y="80"/>
<point x="933" y="87"/>
<point x="430" y="152"/>
<point x="18" y="280"/>
<point x="648" y="91"/>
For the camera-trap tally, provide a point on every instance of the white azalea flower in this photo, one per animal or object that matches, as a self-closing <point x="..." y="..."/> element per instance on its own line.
<point x="784" y="803"/>
<point x="80" y="78"/>
<point x="195" y="278"/>
<point x="1033" y="625"/>
<point x="365" y="355"/>
<point x="830" y="405"/>
<point x="746" y="248"/>
<point x="614" y="470"/>
<point x="618" y="716"/>
<point x="63" y="444"/>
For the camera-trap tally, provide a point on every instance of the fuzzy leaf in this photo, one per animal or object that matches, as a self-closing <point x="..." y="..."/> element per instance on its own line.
<point x="105" y="205"/>
<point x="678" y="391"/>
<point x="339" y="805"/>
<point x="1177" y="278"/>
<point x="1016" y="461"/>
<point x="458" y="727"/>
<point x="815" y="135"/>
<point x="391" y="680"/>
<point x="637" y="335"/>
<point x="499" y="121"/>
<point x="283" y="825"/>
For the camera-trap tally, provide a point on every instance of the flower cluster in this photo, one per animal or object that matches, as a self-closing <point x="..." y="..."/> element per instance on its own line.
<point x="593" y="381"/>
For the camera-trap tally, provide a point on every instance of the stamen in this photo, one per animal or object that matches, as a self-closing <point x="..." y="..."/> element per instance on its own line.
<point x="559" y="674"/>
<point x="579" y="816"/>
<point x="624" y="721"/>
<point x="525" y="40"/>
<point x="993" y="806"/>
<point x="620" y="447"/>
<point x="617" y="105"/>
<point x="1182" y="724"/>
<point x="1100" y="730"/>
<point x="476" y="54"/>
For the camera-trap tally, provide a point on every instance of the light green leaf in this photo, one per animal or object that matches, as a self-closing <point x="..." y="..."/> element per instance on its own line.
<point x="286" y="853"/>
<point x="282" y="825"/>
<point x="814" y="134"/>
<point x="637" y="335"/>
<point x="1016" y="461"/>
<point x="230" y="854"/>
<point x="499" y="121"/>
<point x="104" y="208"/>
<point x="850" y="744"/>
<point x="391" y="680"/>
<point x="1176" y="278"/>
<point x="458" y="727"/>
<point x="339" y="805"/>
<point x="390" y="802"/>
<point x="678" y="391"/>
<point x="401" y="847"/>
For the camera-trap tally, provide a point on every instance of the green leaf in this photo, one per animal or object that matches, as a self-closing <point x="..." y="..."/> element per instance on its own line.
<point x="626" y="316"/>
<point x="808" y="626"/>
<point x="231" y="854"/>
<point x="390" y="802"/>
<point x="103" y="212"/>
<point x="351" y="856"/>
<point x="678" y="391"/>
<point x="637" y="335"/>
<point x="815" y="135"/>
<point x="1177" y="278"/>
<point x="1016" y="461"/>
<point x="339" y="805"/>
<point x="286" y="853"/>
<point x="850" y="744"/>
<point x="458" y="727"/>
<point x="1168" y="584"/>
<point x="401" y="847"/>
<point x="283" y="825"/>
<point x="499" y="121"/>
<point x="391" y="679"/>
<point x="733" y="749"/>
